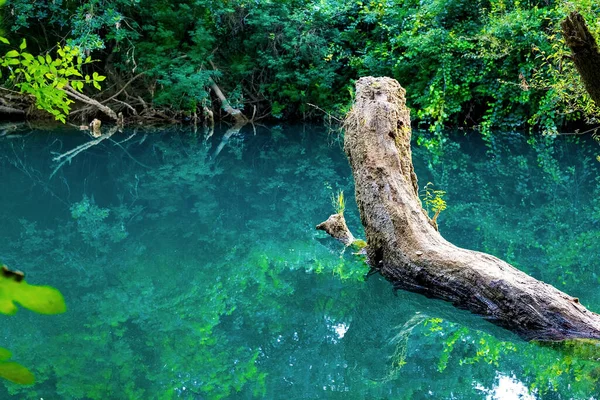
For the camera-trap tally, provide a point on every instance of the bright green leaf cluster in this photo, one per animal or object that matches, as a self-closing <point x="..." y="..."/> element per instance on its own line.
<point x="434" y="200"/>
<point x="48" y="79"/>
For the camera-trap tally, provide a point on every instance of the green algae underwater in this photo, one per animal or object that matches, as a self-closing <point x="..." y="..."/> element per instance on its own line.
<point x="193" y="270"/>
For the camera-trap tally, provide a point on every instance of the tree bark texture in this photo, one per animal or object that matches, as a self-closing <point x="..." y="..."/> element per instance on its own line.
<point x="337" y="228"/>
<point x="404" y="246"/>
<point x="238" y="116"/>
<point x="88" y="100"/>
<point x="585" y="53"/>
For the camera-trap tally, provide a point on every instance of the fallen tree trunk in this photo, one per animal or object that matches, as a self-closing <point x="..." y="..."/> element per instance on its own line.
<point x="585" y="53"/>
<point x="238" y="116"/>
<point x="404" y="246"/>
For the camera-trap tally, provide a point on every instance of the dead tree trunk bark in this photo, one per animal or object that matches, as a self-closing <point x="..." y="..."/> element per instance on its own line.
<point x="585" y="53"/>
<point x="407" y="250"/>
<point x="337" y="228"/>
<point x="88" y="100"/>
<point x="240" y="118"/>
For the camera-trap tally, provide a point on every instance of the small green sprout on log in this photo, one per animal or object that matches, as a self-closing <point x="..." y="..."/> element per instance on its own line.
<point x="338" y="202"/>
<point x="434" y="201"/>
<point x="40" y="299"/>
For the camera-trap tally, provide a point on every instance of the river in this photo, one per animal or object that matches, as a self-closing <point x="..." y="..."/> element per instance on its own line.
<point x="191" y="267"/>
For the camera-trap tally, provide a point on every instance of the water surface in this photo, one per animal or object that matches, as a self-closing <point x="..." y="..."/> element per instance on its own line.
<point x="192" y="269"/>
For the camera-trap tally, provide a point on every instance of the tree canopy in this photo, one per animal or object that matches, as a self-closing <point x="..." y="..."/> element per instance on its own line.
<point x="498" y="64"/>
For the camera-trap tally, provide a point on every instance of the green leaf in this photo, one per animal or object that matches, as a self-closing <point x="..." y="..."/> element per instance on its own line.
<point x="12" y="371"/>
<point x="4" y="354"/>
<point x="23" y="45"/>
<point x="97" y="85"/>
<point x="12" y="53"/>
<point x="13" y="61"/>
<point x="4" y="40"/>
<point x="97" y="77"/>
<point x="40" y="299"/>
<point x="16" y="373"/>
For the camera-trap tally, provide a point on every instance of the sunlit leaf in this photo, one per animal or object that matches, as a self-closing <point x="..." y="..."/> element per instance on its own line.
<point x="16" y="373"/>
<point x="41" y="299"/>
<point x="5" y="354"/>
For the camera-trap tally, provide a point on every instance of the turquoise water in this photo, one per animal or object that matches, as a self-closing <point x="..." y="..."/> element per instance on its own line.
<point x="191" y="268"/>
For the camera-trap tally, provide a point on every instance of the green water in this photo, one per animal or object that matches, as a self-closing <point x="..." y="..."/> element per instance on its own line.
<point x="192" y="269"/>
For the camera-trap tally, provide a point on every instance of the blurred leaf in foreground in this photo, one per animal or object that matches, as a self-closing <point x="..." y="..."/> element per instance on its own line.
<point x="40" y="299"/>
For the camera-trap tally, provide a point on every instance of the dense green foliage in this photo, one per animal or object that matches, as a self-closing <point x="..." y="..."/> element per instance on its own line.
<point x="489" y="63"/>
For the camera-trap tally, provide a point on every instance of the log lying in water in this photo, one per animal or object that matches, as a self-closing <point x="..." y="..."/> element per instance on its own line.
<point x="404" y="246"/>
<point x="585" y="53"/>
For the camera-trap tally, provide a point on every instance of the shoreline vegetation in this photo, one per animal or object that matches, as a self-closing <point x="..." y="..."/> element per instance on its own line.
<point x="492" y="66"/>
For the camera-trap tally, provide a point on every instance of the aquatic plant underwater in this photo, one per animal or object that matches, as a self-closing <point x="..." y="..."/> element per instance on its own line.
<point x="195" y="275"/>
